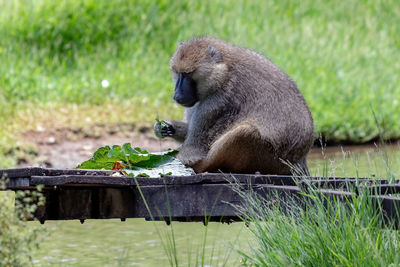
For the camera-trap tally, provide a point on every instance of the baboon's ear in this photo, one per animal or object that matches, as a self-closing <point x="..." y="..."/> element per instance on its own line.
<point x="214" y="54"/>
<point x="179" y="44"/>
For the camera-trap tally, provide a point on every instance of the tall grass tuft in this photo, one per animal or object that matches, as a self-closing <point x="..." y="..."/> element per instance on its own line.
<point x="319" y="231"/>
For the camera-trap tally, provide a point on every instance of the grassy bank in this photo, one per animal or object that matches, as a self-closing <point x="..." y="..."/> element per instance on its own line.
<point x="53" y="56"/>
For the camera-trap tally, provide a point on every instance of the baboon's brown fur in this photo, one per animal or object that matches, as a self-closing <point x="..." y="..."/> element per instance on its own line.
<point x="249" y="115"/>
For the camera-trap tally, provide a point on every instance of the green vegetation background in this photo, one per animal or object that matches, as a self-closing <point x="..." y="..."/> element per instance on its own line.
<point x="344" y="56"/>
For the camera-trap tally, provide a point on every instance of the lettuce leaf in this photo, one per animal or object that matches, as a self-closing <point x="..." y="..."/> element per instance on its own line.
<point x="136" y="160"/>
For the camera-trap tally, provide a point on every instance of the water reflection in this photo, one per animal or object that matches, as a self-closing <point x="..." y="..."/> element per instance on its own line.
<point x="138" y="242"/>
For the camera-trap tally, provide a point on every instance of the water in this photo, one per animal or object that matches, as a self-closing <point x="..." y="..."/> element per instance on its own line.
<point x="136" y="242"/>
<point x="356" y="161"/>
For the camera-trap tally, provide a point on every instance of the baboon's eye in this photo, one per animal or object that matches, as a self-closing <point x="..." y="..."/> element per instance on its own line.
<point x="187" y="74"/>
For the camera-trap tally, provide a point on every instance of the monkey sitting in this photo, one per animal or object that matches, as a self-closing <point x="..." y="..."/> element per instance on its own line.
<point x="243" y="114"/>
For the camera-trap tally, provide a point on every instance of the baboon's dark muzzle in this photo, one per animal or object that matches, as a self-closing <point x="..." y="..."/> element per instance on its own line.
<point x="185" y="91"/>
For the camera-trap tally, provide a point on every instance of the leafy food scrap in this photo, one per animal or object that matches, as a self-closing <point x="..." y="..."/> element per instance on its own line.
<point x="106" y="157"/>
<point x="136" y="162"/>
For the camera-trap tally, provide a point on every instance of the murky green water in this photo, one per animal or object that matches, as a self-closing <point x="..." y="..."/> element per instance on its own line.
<point x="138" y="243"/>
<point x="353" y="161"/>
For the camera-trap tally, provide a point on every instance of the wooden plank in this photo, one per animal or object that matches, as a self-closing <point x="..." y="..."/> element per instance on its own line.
<point x="384" y="189"/>
<point x="17" y="183"/>
<point x="95" y="194"/>
<point x="194" y="179"/>
<point x="169" y="180"/>
<point x="340" y="182"/>
<point x="189" y="202"/>
<point x="210" y="178"/>
<point x="180" y="202"/>
<point x="20" y="172"/>
<point x="297" y="191"/>
<point x="37" y="171"/>
<point x="176" y="202"/>
<point x="391" y="207"/>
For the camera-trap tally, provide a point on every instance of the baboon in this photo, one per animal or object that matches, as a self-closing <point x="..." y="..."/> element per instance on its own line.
<point x="242" y="113"/>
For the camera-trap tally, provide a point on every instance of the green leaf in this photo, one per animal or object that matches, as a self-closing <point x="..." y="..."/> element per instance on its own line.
<point x="165" y="174"/>
<point x="136" y="158"/>
<point x="142" y="175"/>
<point x="102" y="158"/>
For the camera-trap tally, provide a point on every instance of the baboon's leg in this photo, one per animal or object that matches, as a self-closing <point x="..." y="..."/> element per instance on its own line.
<point x="242" y="150"/>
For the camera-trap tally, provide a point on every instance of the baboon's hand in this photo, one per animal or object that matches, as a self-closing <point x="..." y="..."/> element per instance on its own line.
<point x="163" y="129"/>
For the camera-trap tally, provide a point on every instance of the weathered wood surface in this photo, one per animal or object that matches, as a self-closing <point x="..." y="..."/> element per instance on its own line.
<point x="95" y="194"/>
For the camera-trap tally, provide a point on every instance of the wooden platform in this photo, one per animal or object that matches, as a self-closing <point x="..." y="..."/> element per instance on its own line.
<point x="94" y="194"/>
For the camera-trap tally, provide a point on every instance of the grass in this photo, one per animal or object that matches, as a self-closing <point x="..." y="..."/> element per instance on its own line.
<point x="350" y="234"/>
<point x="343" y="56"/>
<point x="319" y="231"/>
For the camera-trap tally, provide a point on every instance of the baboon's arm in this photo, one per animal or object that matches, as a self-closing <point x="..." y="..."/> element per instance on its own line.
<point x="175" y="129"/>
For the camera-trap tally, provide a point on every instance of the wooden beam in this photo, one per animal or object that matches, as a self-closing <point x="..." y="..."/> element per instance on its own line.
<point x="95" y="194"/>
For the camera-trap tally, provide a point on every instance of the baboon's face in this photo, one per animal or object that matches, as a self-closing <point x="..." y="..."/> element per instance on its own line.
<point x="193" y="69"/>
<point x="185" y="92"/>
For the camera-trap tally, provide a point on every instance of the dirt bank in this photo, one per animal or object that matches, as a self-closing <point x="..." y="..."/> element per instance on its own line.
<point x="66" y="148"/>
